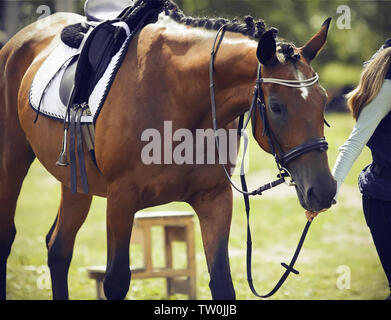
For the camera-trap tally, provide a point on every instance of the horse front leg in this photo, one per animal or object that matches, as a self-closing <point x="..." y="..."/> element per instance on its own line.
<point x="214" y="211"/>
<point x="120" y="213"/>
<point x="61" y="238"/>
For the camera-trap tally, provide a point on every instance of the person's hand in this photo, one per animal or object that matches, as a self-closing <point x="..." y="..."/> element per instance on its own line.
<point x="311" y="215"/>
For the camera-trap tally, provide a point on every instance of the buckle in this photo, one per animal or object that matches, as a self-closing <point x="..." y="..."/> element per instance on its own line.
<point x="284" y="173"/>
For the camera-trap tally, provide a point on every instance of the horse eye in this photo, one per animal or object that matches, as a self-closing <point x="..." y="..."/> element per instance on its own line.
<point x="276" y="108"/>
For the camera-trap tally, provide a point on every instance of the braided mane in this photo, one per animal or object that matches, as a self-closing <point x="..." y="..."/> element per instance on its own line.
<point x="250" y="27"/>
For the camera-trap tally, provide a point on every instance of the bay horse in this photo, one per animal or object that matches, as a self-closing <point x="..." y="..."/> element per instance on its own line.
<point x="164" y="76"/>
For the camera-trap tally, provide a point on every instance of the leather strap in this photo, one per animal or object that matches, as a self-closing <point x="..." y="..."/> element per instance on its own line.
<point x="289" y="268"/>
<point x="72" y="156"/>
<point x="319" y="144"/>
<point x="80" y="151"/>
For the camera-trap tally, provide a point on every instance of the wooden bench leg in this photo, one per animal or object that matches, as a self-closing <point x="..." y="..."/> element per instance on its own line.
<point x="181" y="285"/>
<point x="192" y="288"/>
<point x="100" y="294"/>
<point x="178" y="281"/>
<point x="191" y="261"/>
<point x="175" y="285"/>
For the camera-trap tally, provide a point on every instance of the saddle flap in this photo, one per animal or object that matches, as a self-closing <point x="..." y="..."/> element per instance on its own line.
<point x="101" y="45"/>
<point x="68" y="82"/>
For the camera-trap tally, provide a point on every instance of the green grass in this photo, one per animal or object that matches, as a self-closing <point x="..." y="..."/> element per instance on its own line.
<point x="337" y="238"/>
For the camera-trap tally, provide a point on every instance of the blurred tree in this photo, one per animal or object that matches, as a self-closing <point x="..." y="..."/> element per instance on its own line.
<point x="66" y="6"/>
<point x="298" y="20"/>
<point x="15" y="14"/>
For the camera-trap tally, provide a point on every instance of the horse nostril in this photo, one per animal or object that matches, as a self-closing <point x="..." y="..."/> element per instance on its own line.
<point x="311" y="195"/>
<point x="318" y="198"/>
<point x="315" y="200"/>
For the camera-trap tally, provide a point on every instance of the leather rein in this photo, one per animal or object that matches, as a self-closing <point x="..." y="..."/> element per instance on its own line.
<point x="258" y="107"/>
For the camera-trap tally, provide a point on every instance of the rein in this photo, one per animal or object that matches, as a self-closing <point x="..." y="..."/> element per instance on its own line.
<point x="281" y="158"/>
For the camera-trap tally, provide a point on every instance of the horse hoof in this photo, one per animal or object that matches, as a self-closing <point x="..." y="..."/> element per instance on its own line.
<point x="116" y="287"/>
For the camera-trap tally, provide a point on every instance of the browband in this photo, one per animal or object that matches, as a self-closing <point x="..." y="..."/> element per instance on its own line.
<point x="291" y="83"/>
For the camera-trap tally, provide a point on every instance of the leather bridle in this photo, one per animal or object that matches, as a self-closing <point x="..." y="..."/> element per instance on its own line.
<point x="258" y="107"/>
<point x="283" y="158"/>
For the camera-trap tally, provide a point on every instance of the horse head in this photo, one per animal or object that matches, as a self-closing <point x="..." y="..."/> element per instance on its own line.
<point x="294" y="104"/>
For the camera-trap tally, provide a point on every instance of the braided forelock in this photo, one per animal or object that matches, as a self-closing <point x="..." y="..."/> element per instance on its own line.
<point x="287" y="49"/>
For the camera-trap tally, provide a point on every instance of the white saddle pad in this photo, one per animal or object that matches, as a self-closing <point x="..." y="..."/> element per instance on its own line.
<point x="44" y="91"/>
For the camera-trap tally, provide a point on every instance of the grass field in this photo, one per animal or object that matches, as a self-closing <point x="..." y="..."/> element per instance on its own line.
<point x="338" y="244"/>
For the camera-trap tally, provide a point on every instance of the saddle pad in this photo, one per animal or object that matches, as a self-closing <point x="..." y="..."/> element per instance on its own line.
<point x="44" y="91"/>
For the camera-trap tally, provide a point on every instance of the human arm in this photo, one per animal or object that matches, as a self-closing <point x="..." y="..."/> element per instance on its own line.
<point x="370" y="117"/>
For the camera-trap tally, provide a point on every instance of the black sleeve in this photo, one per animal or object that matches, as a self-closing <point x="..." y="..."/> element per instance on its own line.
<point x="388" y="74"/>
<point x="387" y="44"/>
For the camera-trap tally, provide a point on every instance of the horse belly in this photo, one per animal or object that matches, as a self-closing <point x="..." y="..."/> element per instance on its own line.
<point x="173" y="183"/>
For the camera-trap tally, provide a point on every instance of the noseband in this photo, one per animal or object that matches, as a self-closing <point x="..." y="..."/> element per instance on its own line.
<point x="258" y="107"/>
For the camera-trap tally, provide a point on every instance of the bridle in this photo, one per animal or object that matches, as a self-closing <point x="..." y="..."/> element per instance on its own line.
<point x="258" y="107"/>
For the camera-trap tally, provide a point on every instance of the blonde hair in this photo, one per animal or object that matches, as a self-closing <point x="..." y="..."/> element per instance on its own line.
<point x="371" y="81"/>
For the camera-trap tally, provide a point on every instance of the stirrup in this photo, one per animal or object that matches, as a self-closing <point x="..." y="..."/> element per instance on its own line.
<point x="62" y="160"/>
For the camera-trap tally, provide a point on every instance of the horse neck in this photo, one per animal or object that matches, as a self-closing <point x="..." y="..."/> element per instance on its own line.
<point x="234" y="77"/>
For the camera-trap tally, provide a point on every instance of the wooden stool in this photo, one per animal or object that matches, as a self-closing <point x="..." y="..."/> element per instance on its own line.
<point x="177" y="226"/>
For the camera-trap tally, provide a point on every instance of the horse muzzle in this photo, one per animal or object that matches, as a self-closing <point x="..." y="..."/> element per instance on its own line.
<point x="315" y="185"/>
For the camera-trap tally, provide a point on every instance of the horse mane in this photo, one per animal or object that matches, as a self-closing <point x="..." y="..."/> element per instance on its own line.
<point x="250" y="27"/>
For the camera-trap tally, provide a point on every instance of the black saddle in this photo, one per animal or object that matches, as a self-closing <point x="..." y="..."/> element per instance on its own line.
<point x="97" y="47"/>
<point x="105" y="40"/>
<point x="85" y="70"/>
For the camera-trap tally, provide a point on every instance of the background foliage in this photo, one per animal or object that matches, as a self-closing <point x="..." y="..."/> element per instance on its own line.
<point x="297" y="21"/>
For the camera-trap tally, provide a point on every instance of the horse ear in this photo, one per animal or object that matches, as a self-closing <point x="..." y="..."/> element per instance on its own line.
<point x="312" y="47"/>
<point x="266" y="51"/>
